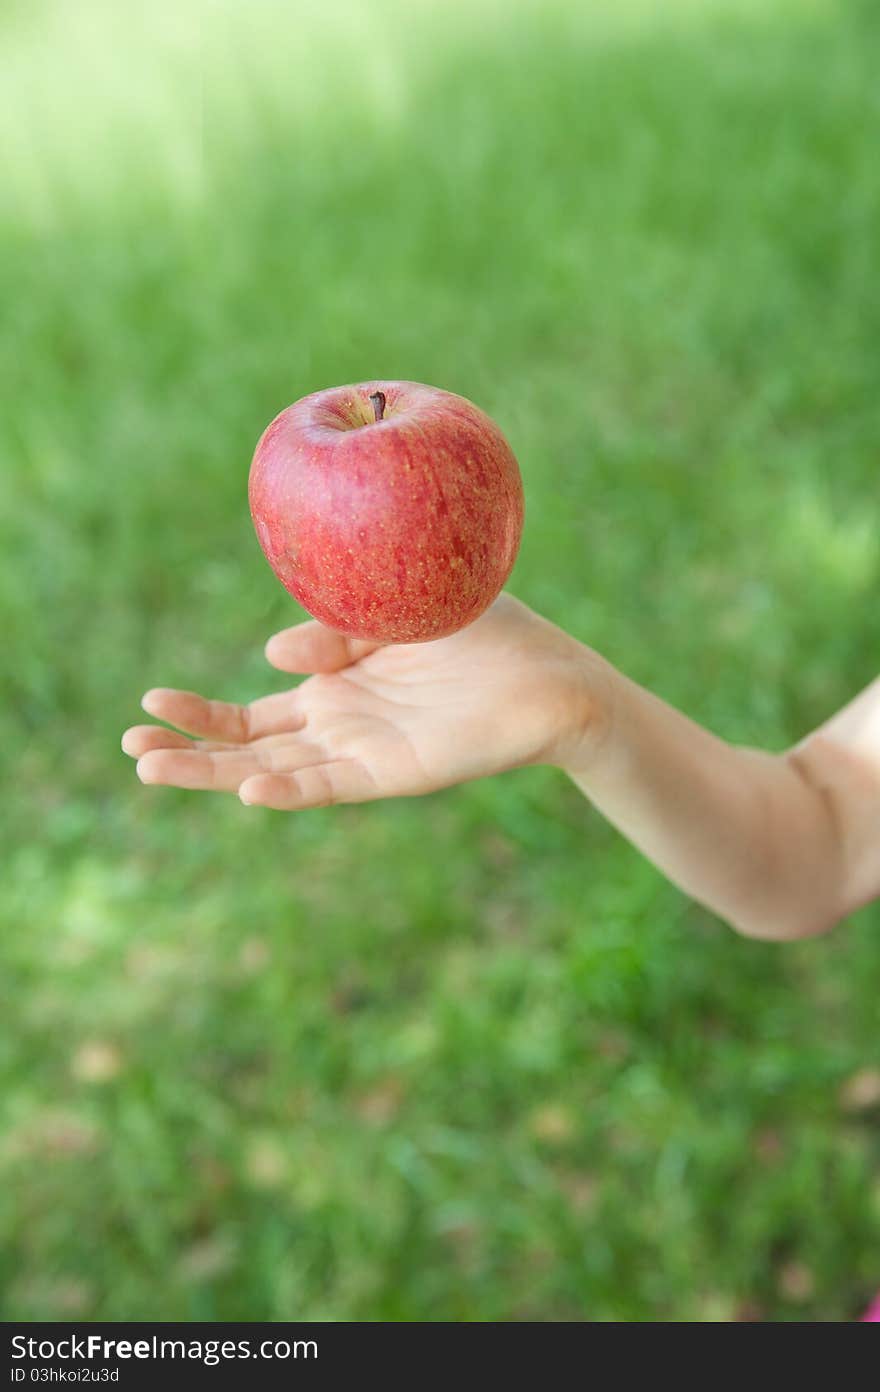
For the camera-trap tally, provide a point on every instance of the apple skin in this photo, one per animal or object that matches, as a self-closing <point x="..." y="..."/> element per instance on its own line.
<point x="400" y="529"/>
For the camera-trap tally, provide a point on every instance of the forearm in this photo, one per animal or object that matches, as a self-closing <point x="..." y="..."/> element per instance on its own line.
<point x="743" y="832"/>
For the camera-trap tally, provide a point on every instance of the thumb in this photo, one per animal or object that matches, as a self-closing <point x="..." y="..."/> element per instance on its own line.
<point x="310" y="647"/>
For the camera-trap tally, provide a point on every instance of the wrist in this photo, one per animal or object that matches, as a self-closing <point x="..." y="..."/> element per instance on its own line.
<point x="584" y="711"/>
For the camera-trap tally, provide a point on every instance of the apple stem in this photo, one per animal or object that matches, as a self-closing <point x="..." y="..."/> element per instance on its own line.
<point x="378" y="400"/>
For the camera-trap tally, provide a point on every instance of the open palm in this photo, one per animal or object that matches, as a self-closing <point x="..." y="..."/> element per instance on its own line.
<point x="373" y="722"/>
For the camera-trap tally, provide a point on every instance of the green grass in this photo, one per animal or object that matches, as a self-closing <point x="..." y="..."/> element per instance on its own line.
<point x="468" y="1057"/>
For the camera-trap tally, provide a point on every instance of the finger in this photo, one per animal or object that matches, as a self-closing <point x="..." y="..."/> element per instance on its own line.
<point x="224" y="768"/>
<point x="193" y="768"/>
<point x="319" y="785"/>
<point x="311" y="647"/>
<point x="189" y="711"/>
<point x="224" y="720"/>
<point x="141" y="738"/>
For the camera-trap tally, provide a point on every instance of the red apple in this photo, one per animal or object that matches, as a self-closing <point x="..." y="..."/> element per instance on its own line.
<point x="389" y="510"/>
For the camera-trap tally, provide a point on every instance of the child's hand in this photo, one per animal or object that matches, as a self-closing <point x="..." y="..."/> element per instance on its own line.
<point x="781" y="845"/>
<point x="373" y="722"/>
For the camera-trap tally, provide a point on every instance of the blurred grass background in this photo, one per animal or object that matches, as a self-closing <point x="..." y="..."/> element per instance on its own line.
<point x="467" y="1057"/>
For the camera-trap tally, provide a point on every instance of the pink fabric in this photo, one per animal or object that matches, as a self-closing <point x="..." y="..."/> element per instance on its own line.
<point x="872" y="1314"/>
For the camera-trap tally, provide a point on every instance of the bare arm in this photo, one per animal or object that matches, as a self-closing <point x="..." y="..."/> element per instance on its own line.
<point x="841" y="761"/>
<point x="779" y="845"/>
